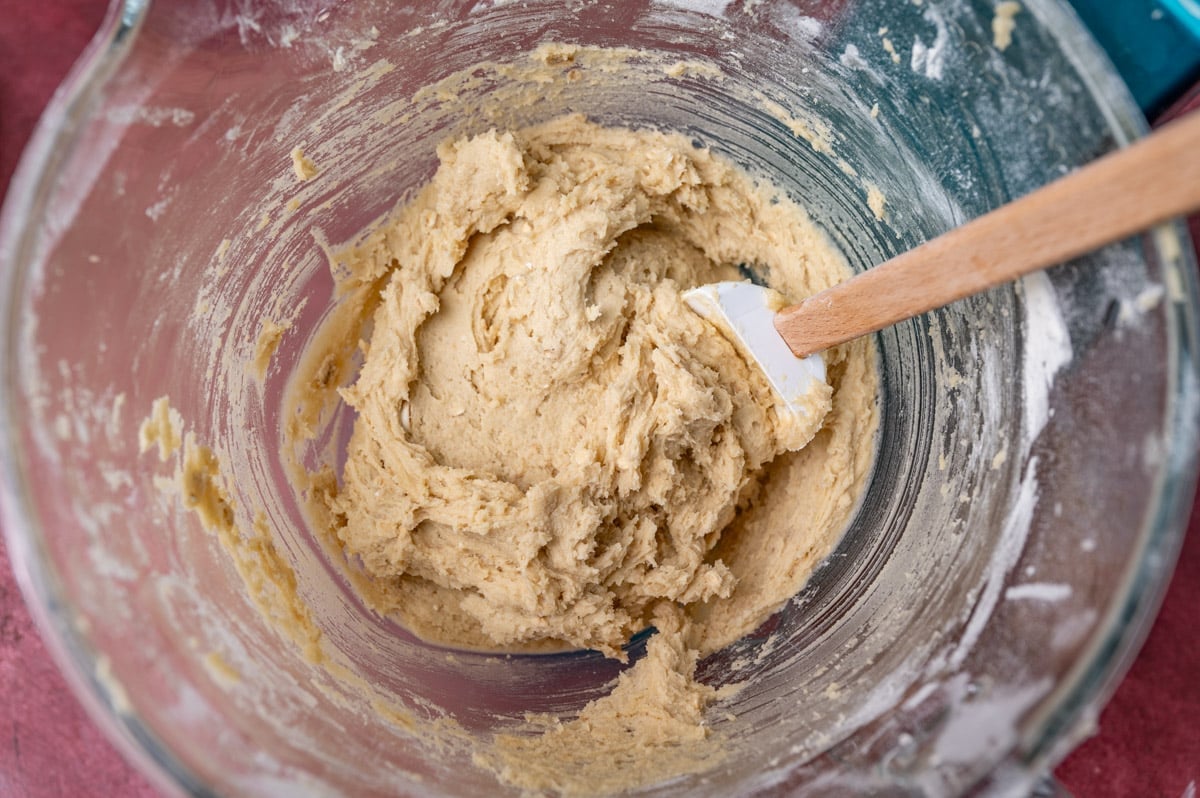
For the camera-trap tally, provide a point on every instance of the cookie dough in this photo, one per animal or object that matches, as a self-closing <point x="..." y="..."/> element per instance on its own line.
<point x="550" y="446"/>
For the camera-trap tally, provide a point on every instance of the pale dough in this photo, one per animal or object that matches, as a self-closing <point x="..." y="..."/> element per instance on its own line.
<point x="1004" y="23"/>
<point x="550" y="444"/>
<point x="551" y="449"/>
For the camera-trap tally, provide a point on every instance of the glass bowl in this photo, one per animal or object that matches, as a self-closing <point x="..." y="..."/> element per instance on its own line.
<point x="1036" y="455"/>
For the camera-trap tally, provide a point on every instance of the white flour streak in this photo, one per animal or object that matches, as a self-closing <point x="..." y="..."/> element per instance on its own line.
<point x="1038" y="591"/>
<point x="852" y="58"/>
<point x="1008" y="551"/>
<point x="713" y="8"/>
<point x="931" y="61"/>
<point x="1047" y="349"/>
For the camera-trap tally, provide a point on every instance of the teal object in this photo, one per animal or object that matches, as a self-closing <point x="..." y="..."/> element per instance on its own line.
<point x="1154" y="44"/>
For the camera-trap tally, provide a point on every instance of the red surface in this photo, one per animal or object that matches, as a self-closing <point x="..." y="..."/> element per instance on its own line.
<point x="1148" y="743"/>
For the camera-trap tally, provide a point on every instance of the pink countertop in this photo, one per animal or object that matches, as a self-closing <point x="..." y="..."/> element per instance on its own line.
<point x="1147" y="745"/>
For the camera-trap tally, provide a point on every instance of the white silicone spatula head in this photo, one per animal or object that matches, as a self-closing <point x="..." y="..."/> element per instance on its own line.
<point x="745" y="314"/>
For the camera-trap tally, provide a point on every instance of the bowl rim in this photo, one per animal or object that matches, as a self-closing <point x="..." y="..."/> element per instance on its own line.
<point x="1076" y="703"/>
<point x="1046" y="738"/>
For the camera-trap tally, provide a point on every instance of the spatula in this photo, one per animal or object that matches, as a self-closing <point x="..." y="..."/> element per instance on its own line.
<point x="1125" y="192"/>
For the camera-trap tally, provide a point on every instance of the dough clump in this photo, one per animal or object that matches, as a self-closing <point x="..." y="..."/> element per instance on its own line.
<point x="549" y="443"/>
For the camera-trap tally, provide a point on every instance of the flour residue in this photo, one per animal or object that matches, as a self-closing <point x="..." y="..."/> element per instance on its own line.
<point x="930" y="60"/>
<point x="1038" y="591"/>
<point x="1004" y="558"/>
<point x="712" y="8"/>
<point x="1047" y="349"/>
<point x="1134" y="309"/>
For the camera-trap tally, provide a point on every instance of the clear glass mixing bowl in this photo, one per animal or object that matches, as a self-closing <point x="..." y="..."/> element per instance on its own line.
<point x="1037" y="446"/>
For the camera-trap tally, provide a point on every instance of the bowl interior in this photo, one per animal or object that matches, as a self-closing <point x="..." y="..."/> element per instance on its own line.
<point x="1018" y="517"/>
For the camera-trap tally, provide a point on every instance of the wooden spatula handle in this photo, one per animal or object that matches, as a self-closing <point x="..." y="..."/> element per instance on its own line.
<point x="1125" y="192"/>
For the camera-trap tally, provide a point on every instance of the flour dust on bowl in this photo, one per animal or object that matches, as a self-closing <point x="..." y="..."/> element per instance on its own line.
<point x="193" y="221"/>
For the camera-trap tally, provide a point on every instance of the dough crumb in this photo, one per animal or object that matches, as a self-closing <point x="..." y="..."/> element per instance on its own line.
<point x="890" y="49"/>
<point x="1003" y="24"/>
<point x="220" y="670"/>
<point x="876" y="201"/>
<point x="1000" y="458"/>
<point x="269" y="337"/>
<point x="303" y="166"/>
<point x="694" y="69"/>
<point x="816" y="132"/>
<point x="161" y="428"/>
